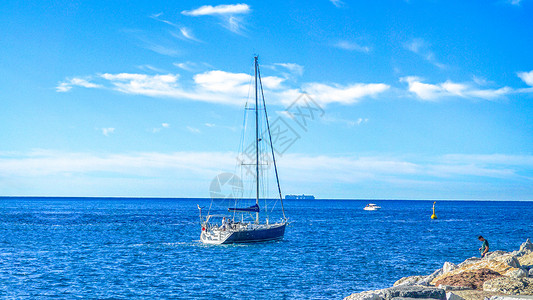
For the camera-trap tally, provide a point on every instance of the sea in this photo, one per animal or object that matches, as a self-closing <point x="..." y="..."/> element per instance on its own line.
<point x="140" y="248"/>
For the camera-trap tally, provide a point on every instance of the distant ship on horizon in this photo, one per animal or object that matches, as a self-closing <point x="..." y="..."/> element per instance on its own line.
<point x="299" y="197"/>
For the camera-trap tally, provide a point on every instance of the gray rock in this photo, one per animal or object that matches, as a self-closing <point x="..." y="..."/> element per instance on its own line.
<point x="530" y="274"/>
<point x="512" y="261"/>
<point x="509" y="285"/>
<point x="370" y="295"/>
<point x="452" y="296"/>
<point x="448" y="267"/>
<point x="526" y="247"/>
<point x="412" y="280"/>
<point x="396" y="292"/>
<point x="511" y="297"/>
<point x="494" y="254"/>
<point x="414" y="292"/>
<point x="469" y="261"/>
<point x="433" y="275"/>
<point x="517" y="274"/>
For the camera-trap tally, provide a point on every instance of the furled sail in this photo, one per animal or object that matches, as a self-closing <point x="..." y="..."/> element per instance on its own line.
<point x="254" y="208"/>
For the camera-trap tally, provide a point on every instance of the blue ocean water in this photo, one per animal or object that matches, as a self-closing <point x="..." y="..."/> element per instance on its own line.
<point x="149" y="248"/>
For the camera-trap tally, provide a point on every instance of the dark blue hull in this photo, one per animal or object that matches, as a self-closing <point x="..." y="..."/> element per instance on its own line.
<point x="258" y="235"/>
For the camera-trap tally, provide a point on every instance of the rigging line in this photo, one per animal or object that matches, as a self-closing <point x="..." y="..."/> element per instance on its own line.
<point x="271" y="146"/>
<point x="256" y="143"/>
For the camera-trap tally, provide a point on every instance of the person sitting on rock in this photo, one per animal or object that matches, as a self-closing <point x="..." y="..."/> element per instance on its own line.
<point x="484" y="247"/>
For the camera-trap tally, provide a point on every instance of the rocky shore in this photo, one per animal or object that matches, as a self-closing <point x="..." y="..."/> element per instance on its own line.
<point x="499" y="275"/>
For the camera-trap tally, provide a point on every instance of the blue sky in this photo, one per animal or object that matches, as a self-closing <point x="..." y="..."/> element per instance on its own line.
<point x="418" y="99"/>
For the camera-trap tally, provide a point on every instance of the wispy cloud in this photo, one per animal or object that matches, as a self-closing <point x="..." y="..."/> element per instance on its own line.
<point x="337" y="3"/>
<point x="192" y="66"/>
<point x="351" y="46"/>
<point x="163" y="126"/>
<point x="223" y="87"/>
<point x="108" y="131"/>
<point x="150" y="68"/>
<point x="347" y="122"/>
<point x="230" y="15"/>
<point x="160" y="19"/>
<point x="434" y="92"/>
<point x="423" y="49"/>
<point x="193" y="129"/>
<point x="294" y="69"/>
<point x="68" y="84"/>
<point x="515" y="2"/>
<point x="161" y="49"/>
<point x="344" y="94"/>
<point x="185" y="34"/>
<point x="208" y="10"/>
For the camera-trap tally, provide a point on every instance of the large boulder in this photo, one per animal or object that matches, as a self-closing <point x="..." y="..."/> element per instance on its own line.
<point x="526" y="247"/>
<point x="510" y="260"/>
<point x="469" y="261"/>
<point x="452" y="296"/>
<point x="469" y="279"/>
<point x="518" y="273"/>
<point x="508" y="285"/>
<point x="448" y="267"/>
<point x="494" y="265"/>
<point x="412" y="280"/>
<point x="416" y="291"/>
<point x="526" y="260"/>
<point x="418" y="280"/>
<point x="368" y="295"/>
<point x="494" y="254"/>
<point x="396" y="292"/>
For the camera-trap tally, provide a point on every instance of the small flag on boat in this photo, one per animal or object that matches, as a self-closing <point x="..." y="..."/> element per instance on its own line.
<point x="199" y="206"/>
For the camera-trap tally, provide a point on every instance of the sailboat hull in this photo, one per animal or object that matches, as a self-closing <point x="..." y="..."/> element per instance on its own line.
<point x="255" y="234"/>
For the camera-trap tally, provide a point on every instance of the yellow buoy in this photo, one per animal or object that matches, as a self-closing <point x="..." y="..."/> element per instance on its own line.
<point x="434" y="216"/>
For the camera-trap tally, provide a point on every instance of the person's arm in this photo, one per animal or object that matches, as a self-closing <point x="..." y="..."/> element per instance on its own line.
<point x="486" y="250"/>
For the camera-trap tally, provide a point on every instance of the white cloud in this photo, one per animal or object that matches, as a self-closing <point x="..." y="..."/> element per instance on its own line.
<point x="192" y="66"/>
<point x="209" y="124"/>
<point x="223" y="87"/>
<point x="151" y="68"/>
<point x="423" y="49"/>
<point x="347" y="122"/>
<point x="293" y="68"/>
<point x="158" y="18"/>
<point x="337" y="3"/>
<point x="163" y="126"/>
<point x="526" y="77"/>
<point x="351" y="46"/>
<point x="344" y="94"/>
<point x="193" y="129"/>
<point x="108" y="131"/>
<point x="67" y="85"/>
<point x="433" y="92"/>
<point x="185" y="34"/>
<point x="208" y="10"/>
<point x="515" y="2"/>
<point x="227" y="13"/>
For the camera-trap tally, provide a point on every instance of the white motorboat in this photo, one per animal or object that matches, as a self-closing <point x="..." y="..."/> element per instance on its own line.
<point x="372" y="206"/>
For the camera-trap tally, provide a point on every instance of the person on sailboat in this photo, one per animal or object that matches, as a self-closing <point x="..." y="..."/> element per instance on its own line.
<point x="224" y="223"/>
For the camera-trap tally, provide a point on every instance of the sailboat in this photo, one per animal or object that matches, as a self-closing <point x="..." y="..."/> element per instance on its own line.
<point x="250" y="223"/>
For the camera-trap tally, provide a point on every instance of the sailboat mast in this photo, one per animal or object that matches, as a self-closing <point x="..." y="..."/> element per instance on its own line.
<point x="256" y="143"/>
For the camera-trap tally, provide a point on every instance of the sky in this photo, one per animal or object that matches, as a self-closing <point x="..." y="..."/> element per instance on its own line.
<point x="409" y="99"/>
